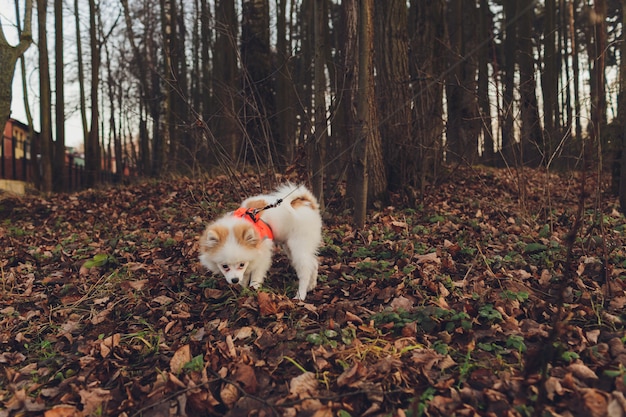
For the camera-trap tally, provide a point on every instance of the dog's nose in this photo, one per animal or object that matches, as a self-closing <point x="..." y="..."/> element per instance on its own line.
<point x="235" y="280"/>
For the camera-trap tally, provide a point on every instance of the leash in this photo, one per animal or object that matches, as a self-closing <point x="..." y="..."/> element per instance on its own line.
<point x="253" y="214"/>
<point x="256" y="211"/>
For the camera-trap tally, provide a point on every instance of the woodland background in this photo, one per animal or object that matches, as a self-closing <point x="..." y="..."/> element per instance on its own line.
<point x="379" y="92"/>
<point x="469" y="290"/>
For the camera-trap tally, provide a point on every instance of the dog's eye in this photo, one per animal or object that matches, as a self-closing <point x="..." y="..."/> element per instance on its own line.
<point x="225" y="267"/>
<point x="241" y="265"/>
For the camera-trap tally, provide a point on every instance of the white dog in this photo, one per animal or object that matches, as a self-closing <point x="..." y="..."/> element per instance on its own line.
<point x="239" y="245"/>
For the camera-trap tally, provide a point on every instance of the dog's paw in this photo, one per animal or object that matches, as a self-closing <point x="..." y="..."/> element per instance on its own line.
<point x="297" y="297"/>
<point x="255" y="285"/>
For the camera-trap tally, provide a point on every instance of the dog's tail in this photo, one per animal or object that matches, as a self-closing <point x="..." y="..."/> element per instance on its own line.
<point x="297" y="195"/>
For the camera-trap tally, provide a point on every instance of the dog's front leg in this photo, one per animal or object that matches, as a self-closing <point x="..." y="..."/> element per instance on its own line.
<point x="256" y="279"/>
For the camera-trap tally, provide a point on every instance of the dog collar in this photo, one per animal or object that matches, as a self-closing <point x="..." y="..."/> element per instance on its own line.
<point x="263" y="229"/>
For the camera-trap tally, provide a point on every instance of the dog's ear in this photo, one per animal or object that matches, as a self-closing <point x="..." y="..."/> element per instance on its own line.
<point x="247" y="235"/>
<point x="212" y="237"/>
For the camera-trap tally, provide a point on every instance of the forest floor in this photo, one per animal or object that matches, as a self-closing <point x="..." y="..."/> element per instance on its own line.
<point x="486" y="298"/>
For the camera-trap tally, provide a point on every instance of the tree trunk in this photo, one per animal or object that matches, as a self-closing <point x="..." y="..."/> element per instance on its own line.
<point x="45" y="103"/>
<point x="427" y="66"/>
<point x="8" y="57"/>
<point x="621" y="117"/>
<point x="463" y="123"/>
<point x="509" y="149"/>
<point x="344" y="124"/>
<point x="259" y="107"/>
<point x="576" y="69"/>
<point x="207" y="87"/>
<point x="284" y="89"/>
<point x="550" y="78"/>
<point x="31" y="138"/>
<point x="532" y="143"/>
<point x="60" y="173"/>
<point x="113" y="130"/>
<point x="151" y="160"/>
<point x="318" y="145"/>
<point x="92" y="146"/>
<point x="81" y="74"/>
<point x="181" y="150"/>
<point x="358" y="178"/>
<point x="485" y="25"/>
<point x="597" y="52"/>
<point x="225" y="141"/>
<point x="393" y="96"/>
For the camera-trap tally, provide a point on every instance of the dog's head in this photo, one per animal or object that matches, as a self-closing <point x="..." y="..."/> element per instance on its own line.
<point x="230" y="245"/>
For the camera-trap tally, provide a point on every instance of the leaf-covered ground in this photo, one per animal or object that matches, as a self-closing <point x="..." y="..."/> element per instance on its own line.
<point x="465" y="304"/>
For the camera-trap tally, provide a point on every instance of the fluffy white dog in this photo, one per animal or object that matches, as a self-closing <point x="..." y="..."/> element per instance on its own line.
<point x="240" y="244"/>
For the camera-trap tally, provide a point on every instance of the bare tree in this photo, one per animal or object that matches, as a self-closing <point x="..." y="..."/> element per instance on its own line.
<point x="532" y="144"/>
<point x="285" y="101"/>
<point x="9" y="56"/>
<point x="463" y="126"/>
<point x="550" y="76"/>
<point x="485" y="36"/>
<point x="225" y="78"/>
<point x="621" y="117"/>
<point x="508" y="147"/>
<point x="92" y="146"/>
<point x="259" y="110"/>
<point x="45" y="102"/>
<point x="427" y="31"/>
<point x="358" y="172"/>
<point x="81" y="73"/>
<point x="318" y="145"/>
<point x="393" y="96"/>
<point x="32" y="139"/>
<point x="58" y="164"/>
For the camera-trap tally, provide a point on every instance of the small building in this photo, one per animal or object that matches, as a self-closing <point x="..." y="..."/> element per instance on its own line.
<point x="18" y="130"/>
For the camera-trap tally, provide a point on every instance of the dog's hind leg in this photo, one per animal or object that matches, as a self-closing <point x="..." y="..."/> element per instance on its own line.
<point x="306" y="269"/>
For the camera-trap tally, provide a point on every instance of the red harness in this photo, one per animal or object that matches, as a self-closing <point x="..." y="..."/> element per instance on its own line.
<point x="263" y="229"/>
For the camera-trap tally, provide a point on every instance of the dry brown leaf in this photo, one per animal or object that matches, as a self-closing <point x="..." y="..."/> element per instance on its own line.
<point x="93" y="399"/>
<point x="553" y="386"/>
<point x="108" y="344"/>
<point x="229" y="395"/>
<point x="62" y="411"/>
<point x="244" y="374"/>
<point x="163" y="300"/>
<point x="304" y="385"/>
<point x="595" y="402"/>
<point x="101" y="316"/>
<point x="592" y="335"/>
<point x="582" y="371"/>
<point x="324" y="411"/>
<point x="352" y="376"/>
<point x="267" y="306"/>
<point x="401" y="303"/>
<point x="429" y="257"/>
<point x="181" y="357"/>
<point x="232" y="351"/>
<point x="243" y="333"/>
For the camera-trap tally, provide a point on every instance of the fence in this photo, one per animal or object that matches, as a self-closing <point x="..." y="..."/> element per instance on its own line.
<point x="21" y="168"/>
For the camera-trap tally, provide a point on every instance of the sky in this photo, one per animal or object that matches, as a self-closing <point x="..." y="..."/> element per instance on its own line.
<point x="73" y="125"/>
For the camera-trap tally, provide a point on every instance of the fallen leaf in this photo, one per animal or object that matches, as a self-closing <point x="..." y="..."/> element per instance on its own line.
<point x="244" y="374"/>
<point x="108" y="344"/>
<point x="304" y="385"/>
<point x="229" y="395"/>
<point x="267" y="306"/>
<point x="181" y="357"/>
<point x="63" y="411"/>
<point x="93" y="399"/>
<point x="595" y="402"/>
<point x="582" y="371"/>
